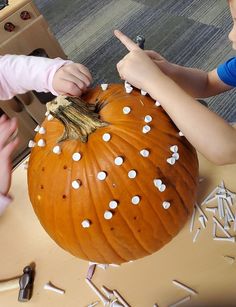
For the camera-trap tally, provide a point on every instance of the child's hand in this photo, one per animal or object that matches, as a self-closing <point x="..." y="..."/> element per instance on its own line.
<point x="136" y="67"/>
<point x="7" y="128"/>
<point x="71" y="79"/>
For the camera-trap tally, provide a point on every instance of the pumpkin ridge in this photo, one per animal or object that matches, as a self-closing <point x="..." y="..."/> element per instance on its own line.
<point x="128" y="225"/>
<point x="157" y="144"/>
<point x="98" y="219"/>
<point x="39" y="162"/>
<point x="131" y="145"/>
<point x="179" y="196"/>
<point x="156" y="166"/>
<point x="70" y="210"/>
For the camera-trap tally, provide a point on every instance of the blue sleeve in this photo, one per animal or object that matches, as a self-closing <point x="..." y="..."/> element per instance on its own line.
<point x="227" y="72"/>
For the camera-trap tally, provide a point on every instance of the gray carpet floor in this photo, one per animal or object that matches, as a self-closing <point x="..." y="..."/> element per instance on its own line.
<point x="187" y="32"/>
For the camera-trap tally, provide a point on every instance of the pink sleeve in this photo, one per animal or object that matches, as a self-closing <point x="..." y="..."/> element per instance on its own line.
<point x="21" y="73"/>
<point x="4" y="202"/>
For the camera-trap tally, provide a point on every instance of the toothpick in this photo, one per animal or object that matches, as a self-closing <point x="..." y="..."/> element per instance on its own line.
<point x="183" y="300"/>
<point x="120" y="298"/>
<point x="183" y="286"/>
<point x="102" y="297"/>
<point x="231" y="239"/>
<point x="196" y="235"/>
<point x="221" y="227"/>
<point x="192" y="219"/>
<point x="201" y="212"/>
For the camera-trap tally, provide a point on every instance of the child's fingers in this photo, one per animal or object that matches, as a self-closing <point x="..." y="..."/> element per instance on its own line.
<point x="6" y="130"/>
<point x="125" y="40"/>
<point x="9" y="148"/>
<point x="70" y="88"/>
<point x="3" y="118"/>
<point x="87" y="77"/>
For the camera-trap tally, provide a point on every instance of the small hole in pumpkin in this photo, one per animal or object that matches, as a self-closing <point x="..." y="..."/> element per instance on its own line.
<point x="135" y="217"/>
<point x="41" y="187"/>
<point x="43" y="169"/>
<point x="139" y="230"/>
<point x="112" y="228"/>
<point x="65" y="167"/>
<point x="63" y="196"/>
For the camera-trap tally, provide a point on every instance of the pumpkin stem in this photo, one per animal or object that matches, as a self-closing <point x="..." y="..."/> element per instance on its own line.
<point x="78" y="117"/>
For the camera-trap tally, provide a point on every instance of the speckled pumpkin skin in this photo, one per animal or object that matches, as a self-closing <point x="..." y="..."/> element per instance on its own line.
<point x="134" y="231"/>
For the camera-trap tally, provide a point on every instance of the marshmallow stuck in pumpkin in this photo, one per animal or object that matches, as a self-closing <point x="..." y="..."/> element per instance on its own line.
<point x="111" y="180"/>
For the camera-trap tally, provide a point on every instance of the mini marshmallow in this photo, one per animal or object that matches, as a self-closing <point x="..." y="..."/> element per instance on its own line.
<point x="76" y="156"/>
<point x="171" y="160"/>
<point x="37" y="128"/>
<point x="50" y="117"/>
<point x="132" y="174"/>
<point x="144" y="152"/>
<point x="31" y="144"/>
<point x="174" y="148"/>
<point x="106" y="137"/>
<point x="148" y="119"/>
<point x="42" y="130"/>
<point x="86" y="223"/>
<point x="104" y="86"/>
<point x="101" y="175"/>
<point x="113" y="204"/>
<point x="157" y="183"/>
<point x="162" y="187"/>
<point x="175" y="155"/>
<point x="47" y="113"/>
<point x="108" y="215"/>
<point x="135" y="200"/>
<point x="76" y="184"/>
<point x="126" y="110"/>
<point x="119" y="161"/>
<point x="181" y="133"/>
<point x="41" y="143"/>
<point x="146" y="129"/>
<point x="127" y="84"/>
<point x="143" y="93"/>
<point x="166" y="204"/>
<point x="128" y="90"/>
<point x="157" y="103"/>
<point x="57" y="149"/>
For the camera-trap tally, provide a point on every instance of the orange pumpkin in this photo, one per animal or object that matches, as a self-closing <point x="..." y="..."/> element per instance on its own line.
<point x="114" y="181"/>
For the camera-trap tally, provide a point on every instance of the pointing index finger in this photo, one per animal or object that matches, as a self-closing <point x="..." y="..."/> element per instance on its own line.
<point x="126" y="41"/>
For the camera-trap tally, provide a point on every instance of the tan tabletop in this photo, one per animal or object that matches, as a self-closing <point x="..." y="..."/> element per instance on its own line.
<point x="200" y="265"/>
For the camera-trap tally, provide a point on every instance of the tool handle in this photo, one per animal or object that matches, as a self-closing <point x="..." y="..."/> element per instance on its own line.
<point x="9" y="284"/>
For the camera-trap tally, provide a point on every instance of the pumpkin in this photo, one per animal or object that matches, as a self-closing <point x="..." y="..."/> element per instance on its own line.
<point x="111" y="179"/>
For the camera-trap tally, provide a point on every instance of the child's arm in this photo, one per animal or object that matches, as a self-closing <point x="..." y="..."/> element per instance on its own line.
<point x="7" y="128"/>
<point x="195" y="82"/>
<point x="209" y="133"/>
<point x="19" y="74"/>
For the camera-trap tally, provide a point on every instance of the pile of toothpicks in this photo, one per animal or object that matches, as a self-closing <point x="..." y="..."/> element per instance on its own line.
<point x="220" y="205"/>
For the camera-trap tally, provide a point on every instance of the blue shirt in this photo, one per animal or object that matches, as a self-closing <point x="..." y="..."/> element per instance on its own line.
<point x="227" y="72"/>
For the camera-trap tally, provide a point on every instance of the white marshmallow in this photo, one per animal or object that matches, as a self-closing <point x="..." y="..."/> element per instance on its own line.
<point x="108" y="215"/>
<point x="106" y="137"/>
<point x="101" y="175"/>
<point x="135" y="200"/>
<point x="41" y="143"/>
<point x="86" y="223"/>
<point x="76" y="184"/>
<point x="126" y="110"/>
<point x="144" y="152"/>
<point x="119" y="161"/>
<point x="57" y="149"/>
<point x="104" y="86"/>
<point x="31" y="144"/>
<point x="113" y="204"/>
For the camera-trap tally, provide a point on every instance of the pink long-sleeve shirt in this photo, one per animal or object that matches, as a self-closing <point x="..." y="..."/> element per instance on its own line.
<point x="20" y="74"/>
